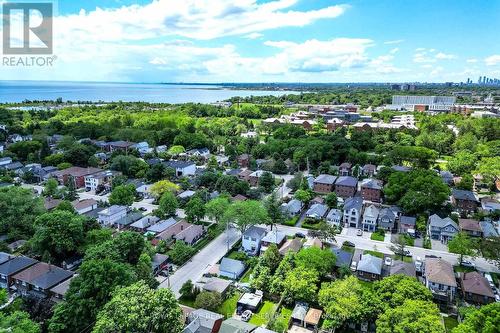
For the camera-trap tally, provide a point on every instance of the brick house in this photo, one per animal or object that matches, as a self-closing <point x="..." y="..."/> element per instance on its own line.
<point x="324" y="183"/>
<point x="346" y="186"/>
<point x="371" y="190"/>
<point x="37" y="280"/>
<point x="464" y="200"/>
<point x="470" y="227"/>
<point x="243" y="160"/>
<point x="77" y="173"/>
<point x="475" y="288"/>
<point x="345" y="169"/>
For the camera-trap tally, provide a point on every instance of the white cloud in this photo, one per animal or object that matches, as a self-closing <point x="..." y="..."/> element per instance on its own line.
<point x="492" y="60"/>
<point x="472" y="60"/>
<point x="394" y="50"/>
<point x="436" y="71"/>
<point x="443" y="56"/>
<point x="254" y="35"/>
<point x="397" y="41"/>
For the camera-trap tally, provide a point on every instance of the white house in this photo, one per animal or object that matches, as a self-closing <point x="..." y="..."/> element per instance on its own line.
<point x="370" y="218"/>
<point x="252" y="238"/>
<point x="182" y="168"/>
<point x="143" y="148"/>
<point x="199" y="152"/>
<point x="352" y="211"/>
<point x="93" y="181"/>
<point x="317" y="211"/>
<point x="84" y="206"/>
<point x="334" y="217"/>
<point x="110" y="215"/>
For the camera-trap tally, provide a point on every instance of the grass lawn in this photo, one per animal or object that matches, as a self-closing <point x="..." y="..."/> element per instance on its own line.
<point x="461" y="269"/>
<point x="405" y="258"/>
<point x="284" y="316"/>
<point x="246" y="277"/>
<point x="291" y="222"/>
<point x="228" y="308"/>
<point x="378" y="235"/>
<point x="349" y="249"/>
<point x="374" y="253"/>
<point x="187" y="302"/>
<point x="449" y="323"/>
<point x="314" y="226"/>
<point x="264" y="315"/>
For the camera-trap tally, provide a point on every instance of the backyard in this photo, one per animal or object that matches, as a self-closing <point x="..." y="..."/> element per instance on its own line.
<point x="265" y="313"/>
<point x="228" y="307"/>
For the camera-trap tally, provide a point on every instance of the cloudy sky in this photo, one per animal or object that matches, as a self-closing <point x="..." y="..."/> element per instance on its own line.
<point x="272" y="41"/>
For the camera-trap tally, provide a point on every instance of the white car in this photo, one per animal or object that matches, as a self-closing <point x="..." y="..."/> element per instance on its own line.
<point x="359" y="232"/>
<point x="354" y="266"/>
<point x="468" y="264"/>
<point x="388" y="261"/>
<point x="246" y="315"/>
<point x="497" y="298"/>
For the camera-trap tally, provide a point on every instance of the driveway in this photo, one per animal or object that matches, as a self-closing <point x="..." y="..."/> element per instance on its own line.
<point x="208" y="256"/>
<point x="438" y="246"/>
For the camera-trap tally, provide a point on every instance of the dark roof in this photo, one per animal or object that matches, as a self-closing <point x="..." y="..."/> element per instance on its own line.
<point x="469" y="224"/>
<point x="475" y="283"/>
<point x="255" y="232"/>
<point x="53" y="277"/>
<point x="15" y="265"/>
<point x="408" y="220"/>
<point x="404" y="268"/>
<point x="372" y="183"/>
<point x="344" y="258"/>
<point x="178" y="164"/>
<point x="347" y="181"/>
<point x="463" y="195"/>
<point x="5" y="257"/>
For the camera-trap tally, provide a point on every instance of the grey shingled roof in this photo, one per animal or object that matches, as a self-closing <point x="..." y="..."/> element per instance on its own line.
<point x="353" y="203"/>
<point x="463" y="195"/>
<point x="255" y="232"/>
<point x="347" y="181"/>
<point x="370" y="264"/>
<point x="325" y="179"/>
<point x="15" y="265"/>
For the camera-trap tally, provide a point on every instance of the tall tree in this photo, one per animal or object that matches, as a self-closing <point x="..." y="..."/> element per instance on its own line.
<point x="414" y="316"/>
<point x="123" y="195"/>
<point x="18" y="322"/>
<point x="245" y="214"/>
<point x="167" y="206"/>
<point x="217" y="207"/>
<point x="395" y="289"/>
<point x="400" y="245"/>
<point x="462" y="245"/>
<point x="486" y="319"/>
<point x="153" y="311"/>
<point x="195" y="210"/>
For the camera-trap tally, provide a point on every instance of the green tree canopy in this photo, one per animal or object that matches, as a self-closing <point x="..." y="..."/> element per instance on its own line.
<point x="413" y="316"/>
<point x="322" y="261"/>
<point x="486" y="319"/>
<point x="122" y="195"/>
<point x="167" y="206"/>
<point x="245" y="214"/>
<point x="18" y="322"/>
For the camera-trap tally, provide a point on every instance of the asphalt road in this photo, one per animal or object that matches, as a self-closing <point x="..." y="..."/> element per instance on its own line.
<point x="208" y="256"/>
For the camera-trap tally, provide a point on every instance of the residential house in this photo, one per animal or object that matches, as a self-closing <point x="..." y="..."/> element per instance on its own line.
<point x="144" y="223"/>
<point x="489" y="205"/>
<point x="231" y="268"/>
<point x="464" y="200"/>
<point x="470" y="227"/>
<point x="244" y="161"/>
<point x="369" y="170"/>
<point x="161" y="226"/>
<point x="5" y="161"/>
<point x="77" y="174"/>
<point x="441" y="229"/>
<point x="4" y="257"/>
<point x="346" y="186"/>
<point x="440" y="279"/>
<point x="399" y="267"/>
<point x="119" y="146"/>
<point x="371" y="190"/>
<point x="50" y="203"/>
<point x="145" y="191"/>
<point x="182" y="168"/>
<point x="16" y="245"/>
<point x="476" y="288"/>
<point x="299" y="314"/>
<point x="312" y="319"/>
<point x="250" y="301"/>
<point x="291" y="245"/>
<point x="272" y="237"/>
<point x="84" y="206"/>
<point x="488" y="229"/>
<point x="191" y="234"/>
<point x="344" y="258"/>
<point x="245" y="175"/>
<point x="233" y="325"/>
<point x="369" y="268"/>
<point x="253" y="178"/>
<point x="175" y="228"/>
<point x="324" y="183"/>
<point x="38" y="279"/>
<point x="13" y="266"/>
<point x="142" y="147"/>
<point x="370" y="218"/>
<point x="252" y="238"/>
<point x="127" y="220"/>
<point x="186" y="195"/>
<point x="292" y="208"/>
<point x="313" y="242"/>
<point x="316" y="211"/>
<point x="334" y="217"/>
<point x="59" y="291"/>
<point x="345" y="169"/>
<point x="100" y="180"/>
<point x="111" y="215"/>
<point x="14" y="166"/>
<point x="203" y="153"/>
<point x="401" y="168"/>
<point x="407" y="225"/>
<point x="203" y="321"/>
<point x="159" y="262"/>
<point x="353" y="208"/>
<point x="386" y="219"/>
<point x="334" y="123"/>
<point x="447" y="177"/>
<point x="218" y="285"/>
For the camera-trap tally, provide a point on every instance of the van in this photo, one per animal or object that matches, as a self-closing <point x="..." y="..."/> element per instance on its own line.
<point x="490" y="280"/>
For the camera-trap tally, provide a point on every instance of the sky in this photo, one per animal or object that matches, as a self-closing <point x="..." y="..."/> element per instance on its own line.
<point x="271" y="41"/>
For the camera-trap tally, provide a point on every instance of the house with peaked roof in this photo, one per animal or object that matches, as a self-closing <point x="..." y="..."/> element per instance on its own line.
<point x="233" y="325"/>
<point x="324" y="183"/>
<point x="182" y="168"/>
<point x="476" y="288"/>
<point x="345" y="169"/>
<point x="291" y="245"/>
<point x="38" y="279"/>
<point x="203" y="321"/>
<point x="407" y="224"/>
<point x="399" y="267"/>
<point x="13" y="266"/>
<point x="369" y="268"/>
<point x="470" y="227"/>
<point x="292" y="208"/>
<point x="464" y="200"/>
<point x="440" y="279"/>
<point x="316" y="211"/>
<point x="353" y="207"/>
<point x="346" y="186"/>
<point x="386" y="219"/>
<point x="275" y="237"/>
<point x="370" y="218"/>
<point x="334" y="217"/>
<point x="369" y="170"/>
<point x="344" y="258"/>
<point x="441" y="229"/>
<point x="252" y="238"/>
<point x="371" y="190"/>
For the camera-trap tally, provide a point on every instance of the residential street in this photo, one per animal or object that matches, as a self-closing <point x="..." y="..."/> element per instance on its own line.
<point x="209" y="255"/>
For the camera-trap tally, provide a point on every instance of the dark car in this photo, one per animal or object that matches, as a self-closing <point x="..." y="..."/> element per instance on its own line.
<point x="347" y="243"/>
<point x="142" y="209"/>
<point x="300" y="235"/>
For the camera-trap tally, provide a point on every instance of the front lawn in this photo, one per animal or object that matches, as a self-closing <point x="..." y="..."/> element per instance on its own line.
<point x="378" y="235"/>
<point x="374" y="253"/>
<point x="187" y="302"/>
<point x="264" y="315"/>
<point x="311" y="224"/>
<point x="228" y="307"/>
<point x="291" y="222"/>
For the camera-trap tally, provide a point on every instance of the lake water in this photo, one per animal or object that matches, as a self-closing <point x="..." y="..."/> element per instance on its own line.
<point x="18" y="91"/>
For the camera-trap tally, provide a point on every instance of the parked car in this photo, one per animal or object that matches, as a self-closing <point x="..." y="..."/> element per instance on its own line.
<point x="418" y="264"/>
<point x="497" y="298"/>
<point x="388" y="261"/>
<point x="359" y="232"/>
<point x="354" y="266"/>
<point x="347" y="243"/>
<point x="468" y="264"/>
<point x="245" y="316"/>
<point x="142" y="209"/>
<point x="300" y="235"/>
<point x="406" y="253"/>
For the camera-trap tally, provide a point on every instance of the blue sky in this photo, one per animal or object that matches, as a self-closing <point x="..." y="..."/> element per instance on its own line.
<point x="272" y="41"/>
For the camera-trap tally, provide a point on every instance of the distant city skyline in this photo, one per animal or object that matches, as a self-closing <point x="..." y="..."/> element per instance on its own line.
<point x="271" y="41"/>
